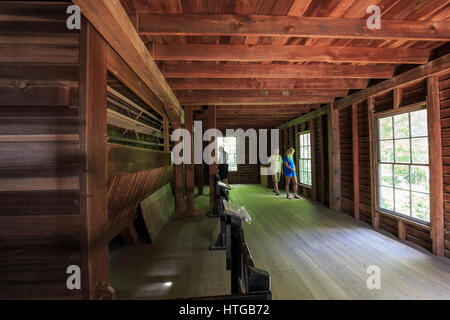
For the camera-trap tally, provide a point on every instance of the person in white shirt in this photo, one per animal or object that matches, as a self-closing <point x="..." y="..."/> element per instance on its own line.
<point x="275" y="162"/>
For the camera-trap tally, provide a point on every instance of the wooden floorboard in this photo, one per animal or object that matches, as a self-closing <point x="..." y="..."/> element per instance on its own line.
<point x="310" y="252"/>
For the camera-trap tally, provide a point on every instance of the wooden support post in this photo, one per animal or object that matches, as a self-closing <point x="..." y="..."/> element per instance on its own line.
<point x="188" y="124"/>
<point x="130" y="235"/>
<point x="398" y="95"/>
<point x="355" y="161"/>
<point x="93" y="174"/>
<point x="373" y="160"/>
<point x="436" y="177"/>
<point x="312" y="127"/>
<point x="401" y="228"/>
<point x="334" y="158"/>
<point x="166" y="135"/>
<point x="212" y="167"/>
<point x="322" y="160"/>
<point x="178" y="179"/>
<point x="199" y="179"/>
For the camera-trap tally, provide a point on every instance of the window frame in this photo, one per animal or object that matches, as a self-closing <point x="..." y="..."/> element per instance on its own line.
<point x="230" y="169"/>
<point x="391" y="113"/>
<point x="299" y="158"/>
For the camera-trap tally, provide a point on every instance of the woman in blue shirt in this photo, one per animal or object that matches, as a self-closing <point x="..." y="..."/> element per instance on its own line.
<point x="290" y="172"/>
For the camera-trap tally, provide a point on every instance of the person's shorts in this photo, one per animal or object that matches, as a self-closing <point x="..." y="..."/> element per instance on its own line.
<point x="276" y="177"/>
<point x="289" y="173"/>
<point x="223" y="171"/>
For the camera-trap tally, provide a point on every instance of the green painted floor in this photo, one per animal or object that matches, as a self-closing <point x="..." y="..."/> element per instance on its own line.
<point x="310" y="252"/>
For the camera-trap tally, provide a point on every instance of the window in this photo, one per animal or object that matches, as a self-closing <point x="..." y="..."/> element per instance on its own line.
<point x="230" y="146"/>
<point x="305" y="158"/>
<point x="403" y="167"/>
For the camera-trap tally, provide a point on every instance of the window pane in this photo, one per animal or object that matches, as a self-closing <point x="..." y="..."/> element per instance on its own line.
<point x="420" y="179"/>
<point x="386" y="128"/>
<point x="419" y="126"/>
<point x="387" y="151"/>
<point x="401" y="177"/>
<point x="386" y="175"/>
<point x="419" y="148"/>
<point x="402" y="202"/>
<point x="387" y="198"/>
<point x="402" y="151"/>
<point x="401" y="126"/>
<point x="420" y="206"/>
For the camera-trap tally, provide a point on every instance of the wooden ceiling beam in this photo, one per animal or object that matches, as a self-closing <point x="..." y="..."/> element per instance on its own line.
<point x="217" y="71"/>
<point x="111" y="20"/>
<point x="251" y="84"/>
<point x="226" y="52"/>
<point x="151" y="24"/>
<point x="230" y="100"/>
<point x="261" y="93"/>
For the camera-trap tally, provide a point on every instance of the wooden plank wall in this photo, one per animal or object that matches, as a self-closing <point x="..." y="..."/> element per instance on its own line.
<point x="345" y="136"/>
<point x="444" y="88"/>
<point x="40" y="217"/>
<point x="411" y="94"/>
<point x="364" y="163"/>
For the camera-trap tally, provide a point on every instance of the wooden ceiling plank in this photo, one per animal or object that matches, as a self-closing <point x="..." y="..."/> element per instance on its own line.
<point x="151" y="24"/>
<point x="196" y="52"/>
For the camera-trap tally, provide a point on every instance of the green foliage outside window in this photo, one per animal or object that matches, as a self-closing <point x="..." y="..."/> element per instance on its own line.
<point x="403" y="170"/>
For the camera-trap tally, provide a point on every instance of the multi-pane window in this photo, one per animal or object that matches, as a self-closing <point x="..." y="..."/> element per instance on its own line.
<point x="403" y="165"/>
<point x="304" y="167"/>
<point x="230" y="145"/>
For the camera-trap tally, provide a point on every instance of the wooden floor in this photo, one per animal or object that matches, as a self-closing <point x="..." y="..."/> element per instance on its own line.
<point x="310" y="252"/>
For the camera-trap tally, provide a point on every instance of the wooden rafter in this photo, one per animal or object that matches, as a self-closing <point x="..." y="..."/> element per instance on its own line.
<point x="150" y="24"/>
<point x="269" y="84"/>
<point x="207" y="52"/>
<point x="277" y="71"/>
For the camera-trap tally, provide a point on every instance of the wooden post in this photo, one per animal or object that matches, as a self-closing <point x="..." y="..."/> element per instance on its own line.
<point x="373" y="160"/>
<point x="312" y="127"/>
<point x="188" y="124"/>
<point x="212" y="167"/>
<point x="334" y="158"/>
<point x="435" y="156"/>
<point x="93" y="175"/>
<point x="166" y="135"/>
<point x="178" y="180"/>
<point x="401" y="228"/>
<point x="355" y="160"/>
<point x="199" y="179"/>
<point x="322" y="160"/>
<point x="398" y="95"/>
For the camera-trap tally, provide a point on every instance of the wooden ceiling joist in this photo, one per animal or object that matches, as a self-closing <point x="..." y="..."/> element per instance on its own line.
<point x="262" y="93"/>
<point x="111" y="20"/>
<point x="150" y="24"/>
<point x="238" y="53"/>
<point x="278" y="71"/>
<point x="251" y="84"/>
<point x="230" y="100"/>
<point x="432" y="68"/>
